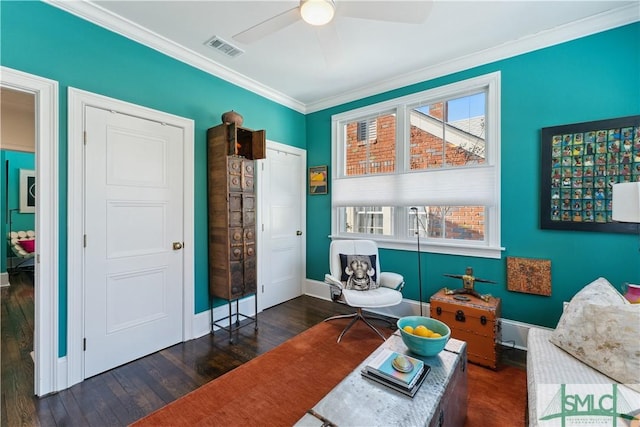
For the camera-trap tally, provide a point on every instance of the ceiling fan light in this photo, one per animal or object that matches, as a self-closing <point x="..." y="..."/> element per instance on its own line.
<point x="317" y="12"/>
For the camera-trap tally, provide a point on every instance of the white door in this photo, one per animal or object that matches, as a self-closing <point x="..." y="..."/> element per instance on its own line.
<point x="282" y="255"/>
<point x="133" y="216"/>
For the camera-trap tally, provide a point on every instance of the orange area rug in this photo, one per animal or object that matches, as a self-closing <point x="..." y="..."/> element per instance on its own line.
<point x="278" y="387"/>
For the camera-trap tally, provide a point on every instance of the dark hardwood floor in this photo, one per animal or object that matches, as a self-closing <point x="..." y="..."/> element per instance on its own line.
<point x="127" y="393"/>
<point x="124" y="394"/>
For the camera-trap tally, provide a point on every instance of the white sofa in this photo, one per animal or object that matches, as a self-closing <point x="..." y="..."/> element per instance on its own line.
<point x="548" y="366"/>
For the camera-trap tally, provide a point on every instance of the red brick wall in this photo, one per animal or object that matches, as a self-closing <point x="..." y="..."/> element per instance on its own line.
<point x="380" y="152"/>
<point x="426" y="152"/>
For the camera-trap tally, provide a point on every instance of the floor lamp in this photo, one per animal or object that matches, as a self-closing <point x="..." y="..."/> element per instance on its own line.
<point x="415" y="211"/>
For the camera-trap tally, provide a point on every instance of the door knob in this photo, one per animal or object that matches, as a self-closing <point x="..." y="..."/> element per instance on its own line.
<point x="177" y="246"/>
<point x="298" y="233"/>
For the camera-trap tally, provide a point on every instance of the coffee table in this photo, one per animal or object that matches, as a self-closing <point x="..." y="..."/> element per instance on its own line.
<point x="441" y="400"/>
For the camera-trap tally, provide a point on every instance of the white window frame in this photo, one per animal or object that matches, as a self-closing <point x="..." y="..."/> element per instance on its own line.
<point x="490" y="247"/>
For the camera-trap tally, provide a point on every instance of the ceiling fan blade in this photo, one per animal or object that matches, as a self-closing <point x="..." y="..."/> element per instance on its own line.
<point x="330" y="44"/>
<point x="409" y="12"/>
<point x="269" y="26"/>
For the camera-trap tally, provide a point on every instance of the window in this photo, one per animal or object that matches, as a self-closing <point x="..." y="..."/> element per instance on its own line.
<point x="426" y="164"/>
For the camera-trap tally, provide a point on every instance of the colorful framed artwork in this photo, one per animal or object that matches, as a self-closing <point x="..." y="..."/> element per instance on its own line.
<point x="318" y="183"/>
<point x="580" y="163"/>
<point x="529" y="275"/>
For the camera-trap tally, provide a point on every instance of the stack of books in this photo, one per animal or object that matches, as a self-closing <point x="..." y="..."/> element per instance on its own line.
<point x="385" y="369"/>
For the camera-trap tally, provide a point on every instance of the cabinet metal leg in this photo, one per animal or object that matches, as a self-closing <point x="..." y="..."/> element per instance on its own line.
<point x="234" y="325"/>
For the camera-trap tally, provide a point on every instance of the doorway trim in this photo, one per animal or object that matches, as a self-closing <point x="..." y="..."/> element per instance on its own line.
<point x="77" y="101"/>
<point x="46" y="280"/>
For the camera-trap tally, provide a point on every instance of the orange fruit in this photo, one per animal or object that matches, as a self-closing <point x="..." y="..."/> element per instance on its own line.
<point x="408" y="329"/>
<point x="435" y="335"/>
<point x="422" y="331"/>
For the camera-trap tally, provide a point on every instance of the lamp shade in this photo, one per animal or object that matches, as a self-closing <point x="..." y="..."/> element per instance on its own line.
<point x="626" y="202"/>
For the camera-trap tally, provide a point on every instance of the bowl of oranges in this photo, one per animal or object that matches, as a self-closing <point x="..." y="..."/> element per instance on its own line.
<point x="423" y="335"/>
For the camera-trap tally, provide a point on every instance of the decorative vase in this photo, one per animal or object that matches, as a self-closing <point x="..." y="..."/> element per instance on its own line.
<point x="631" y="292"/>
<point x="232" y="117"/>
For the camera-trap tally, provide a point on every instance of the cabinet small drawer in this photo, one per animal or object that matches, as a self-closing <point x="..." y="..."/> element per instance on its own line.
<point x="247" y="168"/>
<point x="235" y="183"/>
<point x="247" y="183"/>
<point x="235" y="165"/>
<point x="236" y="236"/>
<point x="250" y="250"/>
<point x="248" y="218"/>
<point x="235" y="253"/>
<point x="248" y="202"/>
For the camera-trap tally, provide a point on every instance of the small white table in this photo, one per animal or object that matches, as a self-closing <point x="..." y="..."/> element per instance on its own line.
<point x="440" y="401"/>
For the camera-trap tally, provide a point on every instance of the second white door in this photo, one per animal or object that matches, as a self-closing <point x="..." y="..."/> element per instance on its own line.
<point x="282" y="249"/>
<point x="133" y="229"/>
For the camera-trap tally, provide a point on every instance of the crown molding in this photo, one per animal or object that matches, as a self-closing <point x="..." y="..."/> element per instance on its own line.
<point x="97" y="15"/>
<point x="574" y="30"/>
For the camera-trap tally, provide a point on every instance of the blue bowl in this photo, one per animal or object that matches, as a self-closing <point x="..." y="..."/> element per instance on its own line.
<point x="424" y="346"/>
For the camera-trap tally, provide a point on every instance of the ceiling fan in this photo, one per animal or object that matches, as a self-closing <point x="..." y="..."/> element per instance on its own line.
<point x="321" y="12"/>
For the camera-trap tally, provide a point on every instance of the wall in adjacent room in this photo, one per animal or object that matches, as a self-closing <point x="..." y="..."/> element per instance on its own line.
<point x="43" y="40"/>
<point x="588" y="79"/>
<point x="15" y="161"/>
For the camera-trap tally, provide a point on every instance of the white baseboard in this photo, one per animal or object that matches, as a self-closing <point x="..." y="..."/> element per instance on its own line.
<point x="202" y="321"/>
<point x="514" y="333"/>
<point x="4" y="279"/>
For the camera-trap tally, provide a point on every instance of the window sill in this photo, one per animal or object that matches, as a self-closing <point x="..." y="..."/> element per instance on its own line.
<point x="430" y="247"/>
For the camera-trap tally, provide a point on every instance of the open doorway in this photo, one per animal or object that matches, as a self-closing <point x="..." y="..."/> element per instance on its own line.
<point x="37" y="172"/>
<point x="17" y="156"/>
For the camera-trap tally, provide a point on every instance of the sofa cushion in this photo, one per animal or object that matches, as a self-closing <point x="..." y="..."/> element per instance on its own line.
<point x="28" y="245"/>
<point x="600" y="328"/>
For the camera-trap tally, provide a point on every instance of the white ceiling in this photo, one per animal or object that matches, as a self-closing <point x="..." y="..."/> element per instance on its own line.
<point x="289" y="66"/>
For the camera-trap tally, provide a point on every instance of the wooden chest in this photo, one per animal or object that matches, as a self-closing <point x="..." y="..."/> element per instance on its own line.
<point x="475" y="321"/>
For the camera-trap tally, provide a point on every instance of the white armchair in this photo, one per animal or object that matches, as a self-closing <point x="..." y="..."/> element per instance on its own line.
<point x="356" y="280"/>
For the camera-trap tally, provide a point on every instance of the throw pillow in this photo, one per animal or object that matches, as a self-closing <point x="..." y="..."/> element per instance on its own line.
<point x="600" y="328"/>
<point x="28" y="245"/>
<point x="359" y="272"/>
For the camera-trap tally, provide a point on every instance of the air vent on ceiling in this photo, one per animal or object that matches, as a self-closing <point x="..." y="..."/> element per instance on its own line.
<point x="224" y="47"/>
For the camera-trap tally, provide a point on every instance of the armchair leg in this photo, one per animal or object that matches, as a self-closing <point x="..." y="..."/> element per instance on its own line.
<point x="358" y="316"/>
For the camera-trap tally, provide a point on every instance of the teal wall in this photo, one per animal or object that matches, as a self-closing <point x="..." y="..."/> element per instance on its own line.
<point x="592" y="78"/>
<point x="45" y="41"/>
<point x="19" y="221"/>
<point x="588" y="79"/>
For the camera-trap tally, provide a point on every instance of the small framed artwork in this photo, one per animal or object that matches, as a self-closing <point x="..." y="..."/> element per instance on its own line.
<point x="27" y="191"/>
<point x="318" y="183"/>
<point x="529" y="275"/>
<point x="580" y="164"/>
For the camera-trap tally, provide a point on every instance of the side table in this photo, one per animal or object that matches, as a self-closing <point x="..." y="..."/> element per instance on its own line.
<point x="475" y="321"/>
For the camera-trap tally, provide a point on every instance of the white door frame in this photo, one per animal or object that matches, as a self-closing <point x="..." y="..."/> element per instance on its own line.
<point x="45" y="336"/>
<point x="77" y="101"/>
<point x="261" y="193"/>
